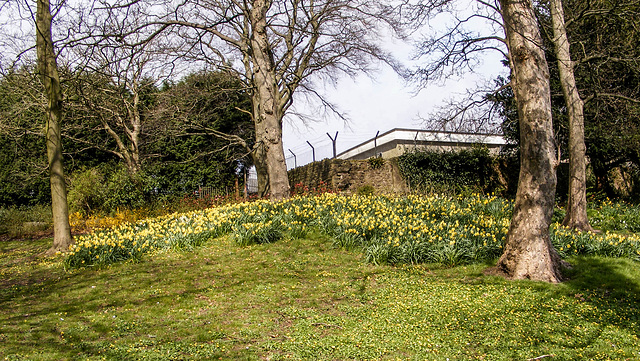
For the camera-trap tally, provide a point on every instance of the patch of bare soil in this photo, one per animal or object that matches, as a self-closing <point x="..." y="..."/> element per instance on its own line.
<point x="495" y="271"/>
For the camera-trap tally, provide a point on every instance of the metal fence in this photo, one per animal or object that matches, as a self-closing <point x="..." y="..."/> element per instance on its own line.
<point x="211" y="192"/>
<point x="252" y="184"/>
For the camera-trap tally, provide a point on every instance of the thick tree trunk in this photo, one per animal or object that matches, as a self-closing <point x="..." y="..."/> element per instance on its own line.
<point x="576" y="216"/>
<point x="528" y="253"/>
<point x="267" y="112"/>
<point x="270" y="161"/>
<point x="48" y="70"/>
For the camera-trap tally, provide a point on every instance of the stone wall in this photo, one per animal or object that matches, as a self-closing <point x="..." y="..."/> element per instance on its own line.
<point x="348" y="176"/>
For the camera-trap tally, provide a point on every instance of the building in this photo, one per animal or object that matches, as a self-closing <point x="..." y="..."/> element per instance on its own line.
<point x="399" y="141"/>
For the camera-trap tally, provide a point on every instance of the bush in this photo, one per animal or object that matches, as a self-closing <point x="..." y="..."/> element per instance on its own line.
<point x="465" y="171"/>
<point x="87" y="191"/>
<point x="366" y="190"/>
<point x="104" y="190"/>
<point x="376" y="162"/>
<point x="126" y="191"/>
<point x="22" y="221"/>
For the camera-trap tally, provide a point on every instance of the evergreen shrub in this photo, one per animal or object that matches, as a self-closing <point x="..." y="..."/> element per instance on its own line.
<point x="465" y="171"/>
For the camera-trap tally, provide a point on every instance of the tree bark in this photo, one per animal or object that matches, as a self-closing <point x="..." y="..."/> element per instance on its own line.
<point x="133" y="133"/>
<point x="576" y="216"/>
<point x="267" y="112"/>
<point x="259" y="157"/>
<point x="48" y="70"/>
<point x="528" y="252"/>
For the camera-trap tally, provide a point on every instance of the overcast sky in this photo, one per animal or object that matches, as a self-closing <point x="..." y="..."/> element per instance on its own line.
<point x="383" y="101"/>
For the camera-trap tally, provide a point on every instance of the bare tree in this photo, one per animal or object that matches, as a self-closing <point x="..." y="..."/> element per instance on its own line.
<point x="48" y="71"/>
<point x="528" y="252"/>
<point x="275" y="48"/>
<point x="110" y="91"/>
<point x="576" y="216"/>
<point x="456" y="50"/>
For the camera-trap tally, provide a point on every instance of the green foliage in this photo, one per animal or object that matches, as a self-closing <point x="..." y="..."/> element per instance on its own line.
<point x="87" y="191"/>
<point x="611" y="114"/>
<point x="366" y="190"/>
<point x="23" y="176"/>
<point x="467" y="171"/>
<point x="106" y="189"/>
<point x="615" y="216"/>
<point x="178" y="150"/>
<point x="189" y="154"/>
<point x="125" y="190"/>
<point x="249" y="233"/>
<point x="376" y="162"/>
<point x="25" y="220"/>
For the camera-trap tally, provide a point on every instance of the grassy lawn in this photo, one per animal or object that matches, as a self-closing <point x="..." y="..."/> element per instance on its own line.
<point x="307" y="299"/>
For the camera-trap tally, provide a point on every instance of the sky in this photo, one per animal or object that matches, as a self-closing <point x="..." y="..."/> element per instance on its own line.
<point x="380" y="102"/>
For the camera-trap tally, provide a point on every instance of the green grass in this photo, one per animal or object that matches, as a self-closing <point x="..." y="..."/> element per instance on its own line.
<point x="305" y="299"/>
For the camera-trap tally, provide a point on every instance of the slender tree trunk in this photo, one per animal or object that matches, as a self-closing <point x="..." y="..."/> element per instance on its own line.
<point x="128" y="153"/>
<point x="48" y="70"/>
<point x="267" y="112"/>
<point x="133" y="133"/>
<point x="528" y="253"/>
<point x="576" y="216"/>
<point x="258" y="157"/>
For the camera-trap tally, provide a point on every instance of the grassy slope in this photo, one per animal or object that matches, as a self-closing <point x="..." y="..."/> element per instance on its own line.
<point x="303" y="299"/>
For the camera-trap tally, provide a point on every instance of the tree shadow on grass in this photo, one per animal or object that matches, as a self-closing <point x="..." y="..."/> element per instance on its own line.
<point x="611" y="285"/>
<point x="82" y="312"/>
<point x="595" y="312"/>
<point x="617" y="277"/>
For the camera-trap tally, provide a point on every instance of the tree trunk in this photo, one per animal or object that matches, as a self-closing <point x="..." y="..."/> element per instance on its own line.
<point x="258" y="157"/>
<point x="48" y="70"/>
<point x="133" y="112"/>
<point x="528" y="253"/>
<point x="576" y="216"/>
<point x="267" y="113"/>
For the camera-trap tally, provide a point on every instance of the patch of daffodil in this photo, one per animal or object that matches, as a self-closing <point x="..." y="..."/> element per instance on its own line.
<point x="388" y="229"/>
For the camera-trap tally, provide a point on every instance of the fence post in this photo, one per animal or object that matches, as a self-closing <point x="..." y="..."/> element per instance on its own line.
<point x="246" y="186"/>
<point x="295" y="161"/>
<point x="333" y="140"/>
<point x="313" y="150"/>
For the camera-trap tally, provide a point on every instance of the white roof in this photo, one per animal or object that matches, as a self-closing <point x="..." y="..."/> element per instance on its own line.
<point x="423" y="136"/>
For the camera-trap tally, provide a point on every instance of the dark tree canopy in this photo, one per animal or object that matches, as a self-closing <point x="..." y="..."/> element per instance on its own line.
<point x="194" y="133"/>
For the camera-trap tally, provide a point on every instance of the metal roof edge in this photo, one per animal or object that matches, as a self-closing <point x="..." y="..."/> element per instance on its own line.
<point x="419" y="131"/>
